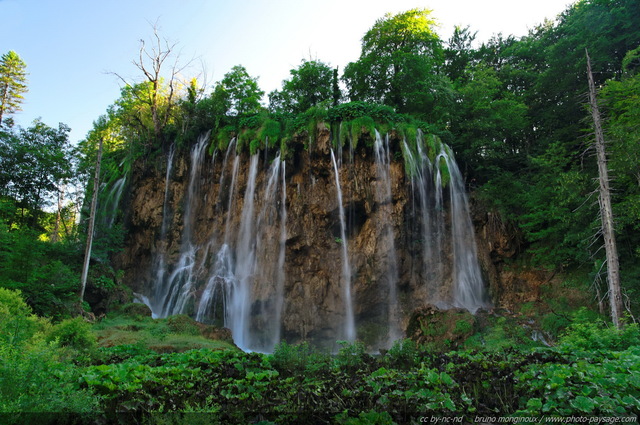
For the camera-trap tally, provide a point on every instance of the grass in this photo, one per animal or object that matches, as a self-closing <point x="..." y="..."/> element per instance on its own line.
<point x="153" y="334"/>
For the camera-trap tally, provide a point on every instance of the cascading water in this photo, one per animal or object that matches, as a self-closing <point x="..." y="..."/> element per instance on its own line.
<point x="171" y="294"/>
<point x="469" y="290"/>
<point x="349" y="321"/>
<point x="387" y="241"/>
<point x="112" y="201"/>
<point x="236" y="278"/>
<point x="238" y="313"/>
<point x="160" y="261"/>
<point x="237" y="275"/>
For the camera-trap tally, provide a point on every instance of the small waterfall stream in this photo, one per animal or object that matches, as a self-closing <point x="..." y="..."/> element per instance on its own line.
<point x="349" y="320"/>
<point x="387" y="242"/>
<point x="469" y="289"/>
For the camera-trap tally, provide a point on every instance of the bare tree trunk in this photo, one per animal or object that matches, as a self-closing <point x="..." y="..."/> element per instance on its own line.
<point x="92" y="221"/>
<point x="606" y="212"/>
<point x="55" y="237"/>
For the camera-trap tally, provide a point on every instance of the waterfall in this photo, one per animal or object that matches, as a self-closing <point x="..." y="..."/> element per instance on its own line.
<point x="221" y="279"/>
<point x="269" y="269"/>
<point x="468" y="287"/>
<point x="349" y="322"/>
<point x="160" y="261"/>
<point x="238" y="311"/>
<point x="110" y="209"/>
<point x="281" y="257"/>
<point x="419" y="168"/>
<point x="172" y="293"/>
<point x="245" y="266"/>
<point x="232" y="269"/>
<point x="429" y="180"/>
<point x="387" y="240"/>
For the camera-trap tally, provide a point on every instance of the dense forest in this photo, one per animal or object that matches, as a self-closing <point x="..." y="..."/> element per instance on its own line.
<point x="515" y="111"/>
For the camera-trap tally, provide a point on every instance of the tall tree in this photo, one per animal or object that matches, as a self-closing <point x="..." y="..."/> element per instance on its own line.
<point x="13" y="78"/>
<point x="159" y="65"/>
<point x="35" y="165"/>
<point x="399" y="65"/>
<point x="310" y="84"/>
<point x="238" y="92"/>
<point x="606" y="211"/>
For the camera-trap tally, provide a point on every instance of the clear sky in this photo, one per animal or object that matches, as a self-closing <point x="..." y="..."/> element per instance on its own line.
<point x="73" y="47"/>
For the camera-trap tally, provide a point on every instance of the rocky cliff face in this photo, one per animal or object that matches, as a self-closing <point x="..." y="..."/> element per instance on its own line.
<point x="258" y="244"/>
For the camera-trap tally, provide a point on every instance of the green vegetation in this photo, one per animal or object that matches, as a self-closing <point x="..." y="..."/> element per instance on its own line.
<point x="73" y="372"/>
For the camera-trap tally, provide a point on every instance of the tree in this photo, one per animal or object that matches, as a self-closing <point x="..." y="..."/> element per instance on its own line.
<point x="606" y="211"/>
<point x="459" y="53"/>
<point x="489" y="125"/>
<point x="156" y="94"/>
<point x="12" y="83"/>
<point x="35" y="165"/>
<point x="238" y="92"/>
<point x="310" y="84"/>
<point x="92" y="221"/>
<point x="399" y="65"/>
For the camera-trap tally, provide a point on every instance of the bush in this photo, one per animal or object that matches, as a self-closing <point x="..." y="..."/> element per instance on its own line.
<point x="17" y="324"/>
<point x="353" y="357"/>
<point x="73" y="333"/>
<point x="33" y="381"/>
<point x="297" y="360"/>
<point x="136" y="310"/>
<point x="402" y="355"/>
<point x="585" y="333"/>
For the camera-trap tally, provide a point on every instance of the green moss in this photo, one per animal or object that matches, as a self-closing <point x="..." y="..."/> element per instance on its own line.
<point x="176" y="333"/>
<point x="270" y="132"/>
<point x="224" y="136"/>
<point x="254" y="146"/>
<point x="445" y="177"/>
<point x="182" y="324"/>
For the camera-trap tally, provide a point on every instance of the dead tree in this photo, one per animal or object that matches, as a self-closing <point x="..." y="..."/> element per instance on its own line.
<point x="153" y="61"/>
<point x="606" y="212"/>
<point x="92" y="221"/>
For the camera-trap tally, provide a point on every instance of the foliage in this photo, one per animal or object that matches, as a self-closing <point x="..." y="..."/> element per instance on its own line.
<point x="183" y="324"/>
<point x="74" y="333"/>
<point x="398" y="63"/>
<point x="586" y="333"/>
<point x="298" y="360"/>
<point x="32" y="377"/>
<point x="17" y="324"/>
<point x="352" y="110"/>
<point x="33" y="381"/>
<point x="45" y="272"/>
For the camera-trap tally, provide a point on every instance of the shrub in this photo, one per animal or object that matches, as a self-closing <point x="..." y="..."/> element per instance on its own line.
<point x="585" y="333"/>
<point x="402" y="355"/>
<point x="299" y="359"/>
<point x="136" y="310"/>
<point x="73" y="333"/>
<point x="17" y="324"/>
<point x="352" y="357"/>
<point x="33" y="381"/>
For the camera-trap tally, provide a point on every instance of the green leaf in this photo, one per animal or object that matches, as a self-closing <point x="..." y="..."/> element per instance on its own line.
<point x="583" y="404"/>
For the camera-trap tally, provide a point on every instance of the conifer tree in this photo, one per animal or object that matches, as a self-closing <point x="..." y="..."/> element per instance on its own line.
<point x="13" y="79"/>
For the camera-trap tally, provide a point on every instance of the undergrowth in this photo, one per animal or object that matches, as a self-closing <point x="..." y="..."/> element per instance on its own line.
<point x="72" y="372"/>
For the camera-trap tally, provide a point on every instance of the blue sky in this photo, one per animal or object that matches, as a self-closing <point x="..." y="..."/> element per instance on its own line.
<point x="73" y="47"/>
